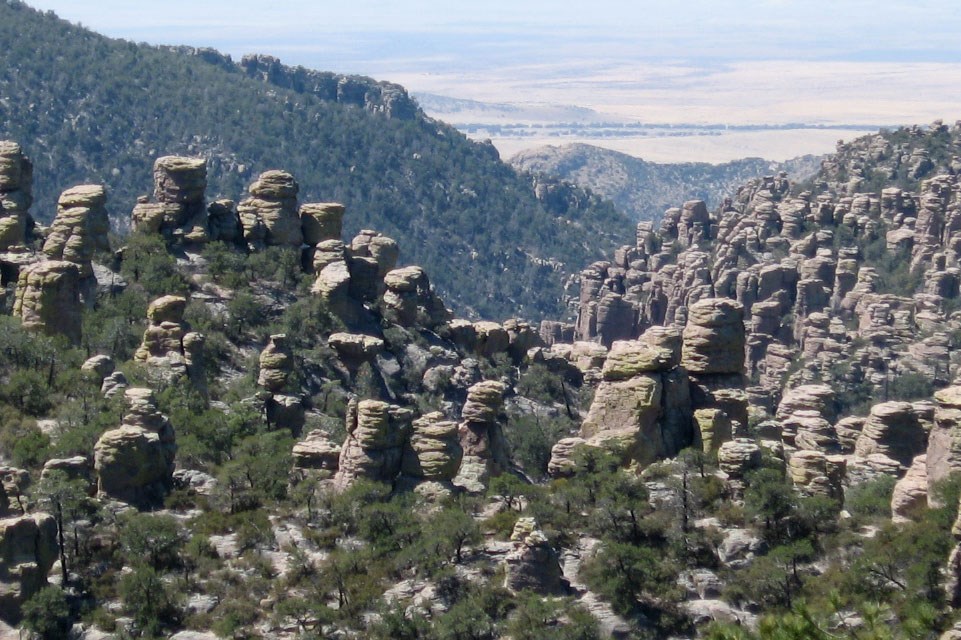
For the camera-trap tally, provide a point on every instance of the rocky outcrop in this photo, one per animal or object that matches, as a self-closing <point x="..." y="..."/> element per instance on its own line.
<point x="532" y="565"/>
<point x="910" y="497"/>
<point x="48" y="299"/>
<point x="169" y="348"/>
<point x="944" y="442"/>
<point x="410" y="301"/>
<point x="374" y="448"/>
<point x="321" y="221"/>
<point x="179" y="211"/>
<point x="316" y="456"/>
<point x="80" y="228"/>
<point x="282" y="409"/>
<point x="893" y="430"/>
<point x="432" y="456"/>
<point x="16" y="180"/>
<point x="28" y="549"/>
<point x="135" y="462"/>
<point x="270" y="216"/>
<point x="481" y="435"/>
<point x="815" y="473"/>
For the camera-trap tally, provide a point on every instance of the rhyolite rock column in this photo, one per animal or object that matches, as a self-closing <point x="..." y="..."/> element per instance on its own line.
<point x="48" y="299"/>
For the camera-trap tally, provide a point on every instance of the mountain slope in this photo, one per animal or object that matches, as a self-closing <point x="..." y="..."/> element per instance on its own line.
<point x="91" y="109"/>
<point x="645" y="189"/>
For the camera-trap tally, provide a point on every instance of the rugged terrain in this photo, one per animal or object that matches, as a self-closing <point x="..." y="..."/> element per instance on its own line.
<point x="242" y="424"/>
<point x="89" y="109"/>
<point x="644" y="190"/>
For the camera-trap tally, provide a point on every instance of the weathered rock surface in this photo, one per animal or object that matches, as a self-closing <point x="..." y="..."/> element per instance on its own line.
<point x="135" y="462"/>
<point x="28" y="549"/>
<point x="910" y="495"/>
<point x="432" y="456"/>
<point x="16" y="180"/>
<point x="48" y="299"/>
<point x="482" y="437"/>
<point x="317" y="455"/>
<point x="270" y="216"/>
<point x="179" y="211"/>
<point x="80" y="228"/>
<point x="533" y="565"/>
<point x="376" y="434"/>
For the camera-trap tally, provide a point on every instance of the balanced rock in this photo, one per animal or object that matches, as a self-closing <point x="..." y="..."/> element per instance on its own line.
<point x="481" y="437"/>
<point x="410" y="301"/>
<point x="135" y="462"/>
<point x="28" y="549"/>
<point x="737" y="457"/>
<point x="276" y="364"/>
<point x="432" y="456"/>
<point x="80" y="228"/>
<point x="179" y="210"/>
<point x="269" y="216"/>
<point x="48" y="299"/>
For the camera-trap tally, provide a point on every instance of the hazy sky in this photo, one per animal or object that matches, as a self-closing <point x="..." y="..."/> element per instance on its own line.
<point x="376" y="32"/>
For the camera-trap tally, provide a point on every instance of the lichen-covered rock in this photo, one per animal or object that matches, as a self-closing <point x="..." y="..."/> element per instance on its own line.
<point x="910" y="497"/>
<point x="75" y="468"/>
<point x="376" y="433"/>
<point x="491" y="339"/>
<point x="714" y="337"/>
<point x="180" y="210"/>
<point x="410" y="301"/>
<point x="355" y="348"/>
<point x="321" y="221"/>
<point x="28" y="549"/>
<point x="276" y="364"/>
<point x="48" y="299"/>
<point x="80" y="228"/>
<point x="100" y="366"/>
<point x="625" y="414"/>
<point x="135" y="462"/>
<point x="713" y="428"/>
<point x="809" y="397"/>
<point x="630" y="358"/>
<point x="817" y="474"/>
<point x="269" y="216"/>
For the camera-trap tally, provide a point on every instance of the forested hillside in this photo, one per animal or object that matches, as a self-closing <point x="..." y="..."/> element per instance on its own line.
<point x="89" y="109"/>
<point x="644" y="190"/>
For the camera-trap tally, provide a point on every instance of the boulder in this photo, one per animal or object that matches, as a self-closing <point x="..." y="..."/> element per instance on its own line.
<point x="317" y="454"/>
<point x="910" y="497"/>
<point x="80" y="227"/>
<point x="270" y="217"/>
<point x="944" y="442"/>
<point x="376" y="434"/>
<point x="714" y="337"/>
<point x="48" y="299"/>
<point x="276" y="364"/>
<point x="481" y="437"/>
<point x="135" y="462"/>
<point x="893" y="430"/>
<point x="28" y="549"/>
<point x="321" y="221"/>
<point x="532" y="565"/>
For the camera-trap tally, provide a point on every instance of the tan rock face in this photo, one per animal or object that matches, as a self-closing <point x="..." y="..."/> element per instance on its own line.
<point x="80" y="228"/>
<point x="16" y="179"/>
<point x="179" y="210"/>
<point x="28" y="549"/>
<point x="376" y="434"/>
<point x="317" y="455"/>
<point x="48" y="299"/>
<point x="910" y="497"/>
<point x="738" y="457"/>
<point x="532" y="565"/>
<point x="276" y="363"/>
<point x="321" y="221"/>
<point x="433" y="451"/>
<point x="135" y="462"/>
<point x="168" y="347"/>
<point x="269" y="216"/>
<point x="714" y="337"/>
<point x="893" y="430"/>
<point x="944" y="442"/>
<point x="481" y="437"/>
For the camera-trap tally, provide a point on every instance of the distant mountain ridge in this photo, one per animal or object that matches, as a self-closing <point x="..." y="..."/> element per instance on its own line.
<point x="90" y="109"/>
<point x="644" y="190"/>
